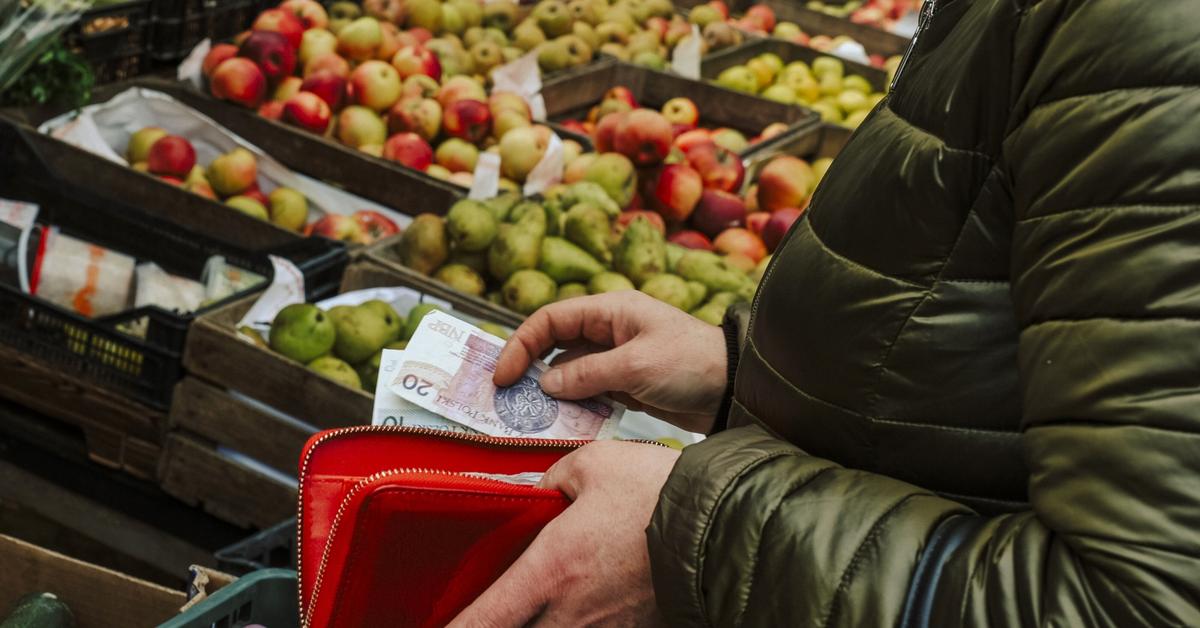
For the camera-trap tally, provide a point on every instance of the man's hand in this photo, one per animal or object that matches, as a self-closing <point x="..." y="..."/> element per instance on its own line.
<point x="589" y="566"/>
<point x="643" y="352"/>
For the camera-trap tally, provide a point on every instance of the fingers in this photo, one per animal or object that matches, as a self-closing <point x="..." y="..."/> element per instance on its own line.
<point x="512" y="601"/>
<point x="590" y="375"/>
<point x="589" y="318"/>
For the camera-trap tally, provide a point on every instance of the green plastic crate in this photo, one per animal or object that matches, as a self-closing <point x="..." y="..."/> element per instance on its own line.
<point x="266" y="597"/>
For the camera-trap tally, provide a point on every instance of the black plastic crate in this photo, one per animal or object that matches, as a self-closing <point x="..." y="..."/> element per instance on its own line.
<point x="273" y="547"/>
<point x="94" y="350"/>
<point x="181" y="24"/>
<point x="113" y="39"/>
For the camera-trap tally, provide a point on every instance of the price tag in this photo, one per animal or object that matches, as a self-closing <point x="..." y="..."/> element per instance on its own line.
<point x="191" y="68"/>
<point x="485" y="183"/>
<point x="523" y="78"/>
<point x="548" y="171"/>
<point x="287" y="288"/>
<point x="685" y="61"/>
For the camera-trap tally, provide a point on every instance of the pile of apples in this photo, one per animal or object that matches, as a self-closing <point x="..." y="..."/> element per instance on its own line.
<point x="232" y="178"/>
<point x="823" y="87"/>
<point x="880" y="14"/>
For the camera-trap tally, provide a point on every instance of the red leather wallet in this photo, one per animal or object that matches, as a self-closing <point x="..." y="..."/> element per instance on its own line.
<point x="395" y="532"/>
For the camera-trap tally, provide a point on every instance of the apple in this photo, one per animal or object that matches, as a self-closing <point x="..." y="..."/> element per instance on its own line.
<point x="720" y="168"/>
<point x="691" y="239"/>
<point x="375" y="84"/>
<point x="571" y="150"/>
<point x="675" y="191"/>
<point x="255" y="193"/>
<point x="420" y="85"/>
<point x="785" y="181"/>
<point x="308" y="111"/>
<point x="508" y="101"/>
<point x="507" y="120"/>
<point x="391" y="42"/>
<point x="440" y="172"/>
<point x="521" y="149"/>
<point x="762" y="17"/>
<point x="740" y="241"/>
<point x="778" y="225"/>
<point x="330" y="62"/>
<point x="740" y="262"/>
<point x="271" y="110"/>
<point x="721" y="7"/>
<point x="659" y="26"/>
<point x="460" y="88"/>
<point x="730" y="139"/>
<point x="606" y="131"/>
<point x="644" y="136"/>
<point x="287" y="208"/>
<point x="457" y="155"/>
<point x="685" y="141"/>
<point x="141" y="141"/>
<point x="615" y="173"/>
<point x="239" y="80"/>
<point x="215" y="56"/>
<point x="315" y="42"/>
<point x="200" y="188"/>
<point x="757" y="221"/>
<point x="392" y="11"/>
<point x="336" y="227"/>
<point x="717" y="211"/>
<point x="468" y="119"/>
<point x="175" y="181"/>
<point x="422" y="116"/>
<point x="249" y="206"/>
<point x="282" y="22"/>
<point x="465" y="179"/>
<point x="328" y="86"/>
<point x="272" y="52"/>
<point x="374" y="225"/>
<point x="681" y="112"/>
<point x="358" y="126"/>
<point x="288" y="87"/>
<point x="774" y="129"/>
<point x="627" y="217"/>
<point x="310" y="12"/>
<point x="171" y="155"/>
<point x="575" y="169"/>
<point x="623" y="94"/>
<point x="414" y="60"/>
<point x="360" y="40"/>
<point x="486" y="55"/>
<point x="408" y="149"/>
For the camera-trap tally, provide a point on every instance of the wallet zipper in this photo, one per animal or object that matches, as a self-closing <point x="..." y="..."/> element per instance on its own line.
<point x="306" y="617"/>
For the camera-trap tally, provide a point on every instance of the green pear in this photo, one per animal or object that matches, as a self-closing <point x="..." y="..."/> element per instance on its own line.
<point x="337" y="370"/>
<point x="393" y="319"/>
<point x="368" y="371"/>
<point x="495" y="330"/>
<point x="528" y="36"/>
<point x="515" y="248"/>
<point x="360" y="333"/>
<point x="415" y="316"/>
<point x="588" y="227"/>
<point x="471" y="224"/>
<point x="461" y="278"/>
<point x="424" y="246"/>
<point x="571" y="290"/>
<point x="608" y="281"/>
<point x="475" y="260"/>
<point x="527" y="290"/>
<point x="674" y="252"/>
<point x="711" y="270"/>
<point x="641" y="253"/>
<point x="302" y="332"/>
<point x="613" y="172"/>
<point x="670" y="289"/>
<point x="501" y="205"/>
<point x="563" y="261"/>
<point x="713" y="312"/>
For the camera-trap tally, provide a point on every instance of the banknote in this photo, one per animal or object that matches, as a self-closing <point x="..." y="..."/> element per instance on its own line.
<point x="447" y="369"/>
<point x="392" y="409"/>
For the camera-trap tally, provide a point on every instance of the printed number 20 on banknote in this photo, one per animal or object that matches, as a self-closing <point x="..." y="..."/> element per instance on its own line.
<point x="448" y="367"/>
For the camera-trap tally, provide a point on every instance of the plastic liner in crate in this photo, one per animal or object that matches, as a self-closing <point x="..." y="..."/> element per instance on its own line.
<point x="181" y="24"/>
<point x="267" y="597"/>
<point x="94" y="349"/>
<point x="273" y="547"/>
<point x="113" y="39"/>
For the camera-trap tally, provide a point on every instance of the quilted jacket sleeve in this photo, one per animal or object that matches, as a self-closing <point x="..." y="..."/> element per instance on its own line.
<point x="1103" y="163"/>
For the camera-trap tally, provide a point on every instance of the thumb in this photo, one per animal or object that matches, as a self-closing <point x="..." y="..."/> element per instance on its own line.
<point x="589" y="375"/>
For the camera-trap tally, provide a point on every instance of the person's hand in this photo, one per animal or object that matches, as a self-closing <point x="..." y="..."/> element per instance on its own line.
<point x="641" y="351"/>
<point x="589" y="566"/>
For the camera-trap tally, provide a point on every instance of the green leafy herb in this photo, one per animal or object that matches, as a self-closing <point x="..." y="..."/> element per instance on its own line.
<point x="57" y="76"/>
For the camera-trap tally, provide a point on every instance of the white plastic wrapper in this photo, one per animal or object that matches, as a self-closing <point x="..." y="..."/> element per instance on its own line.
<point x="685" y="60"/>
<point x="222" y="279"/>
<point x="287" y="287"/>
<point x="548" y="171"/>
<point x="851" y="51"/>
<point x="80" y="276"/>
<point x="18" y="217"/>
<point x="485" y="183"/>
<point x="191" y="69"/>
<point x="105" y="129"/>
<point x="156" y="286"/>
<point x="523" y="78"/>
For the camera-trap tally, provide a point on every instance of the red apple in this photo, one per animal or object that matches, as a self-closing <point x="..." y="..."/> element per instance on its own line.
<point x="676" y="191"/>
<point x="785" y="181"/>
<point x="778" y="225"/>
<point x="575" y="126"/>
<point x="375" y="85"/>
<point x="741" y="242"/>
<point x="644" y="136"/>
<point x="239" y="80"/>
<point x="658" y="25"/>
<point x="717" y="211"/>
<point x="687" y="140"/>
<point x="691" y="239"/>
<point x="215" y="56"/>
<point x="460" y="88"/>
<point x="308" y="111"/>
<point x="757" y="221"/>
<point x="255" y="193"/>
<point x="288" y="87"/>
<point x="374" y="225"/>
<point x="310" y="12"/>
<point x="720" y="169"/>
<point x="408" y="149"/>
<point x="762" y="17"/>
<point x="470" y="120"/>
<point x="422" y="34"/>
<point x="336" y="227"/>
<point x="721" y="8"/>
<point x="412" y="60"/>
<point x="282" y="22"/>
<point x="386" y="11"/>
<point x="606" y="132"/>
<point x="681" y="113"/>
<point x="774" y="129"/>
<point x="272" y="52"/>
<point x="626" y="217"/>
<point x="175" y="181"/>
<point x="330" y="62"/>
<point x="171" y="155"/>
<point x="390" y="43"/>
<point x="271" y="110"/>
<point x="328" y="86"/>
<point x="422" y="116"/>
<point x="623" y="94"/>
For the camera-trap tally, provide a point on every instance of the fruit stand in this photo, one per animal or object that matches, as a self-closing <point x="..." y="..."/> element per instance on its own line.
<point x="265" y="197"/>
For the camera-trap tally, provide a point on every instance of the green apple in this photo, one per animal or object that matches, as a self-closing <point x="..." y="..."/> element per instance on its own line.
<point x="738" y="78"/>
<point x="289" y="208"/>
<point x="780" y="93"/>
<point x="857" y="83"/>
<point x="141" y="141"/>
<point x="248" y="206"/>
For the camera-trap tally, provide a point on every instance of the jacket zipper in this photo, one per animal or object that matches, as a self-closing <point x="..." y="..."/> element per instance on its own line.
<point x="421" y="431"/>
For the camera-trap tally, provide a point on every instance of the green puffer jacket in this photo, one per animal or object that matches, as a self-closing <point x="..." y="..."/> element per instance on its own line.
<point x="970" y="392"/>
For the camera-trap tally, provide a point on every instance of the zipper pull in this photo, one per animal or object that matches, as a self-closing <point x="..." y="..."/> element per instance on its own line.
<point x="922" y="21"/>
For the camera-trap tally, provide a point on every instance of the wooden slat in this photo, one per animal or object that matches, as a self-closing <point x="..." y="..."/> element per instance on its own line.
<point x="194" y="472"/>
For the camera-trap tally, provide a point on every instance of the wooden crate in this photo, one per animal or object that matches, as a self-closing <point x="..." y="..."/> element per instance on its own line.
<point x="713" y="64"/>
<point x="235" y="397"/>
<point x="719" y="107"/>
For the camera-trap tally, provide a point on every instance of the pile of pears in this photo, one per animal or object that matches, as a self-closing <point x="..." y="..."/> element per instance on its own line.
<point x="344" y="343"/>
<point x="525" y="253"/>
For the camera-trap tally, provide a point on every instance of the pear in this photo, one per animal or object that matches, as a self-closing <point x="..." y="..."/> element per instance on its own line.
<point x="571" y="290"/>
<point x="336" y="370"/>
<point x="563" y="261"/>
<point x="360" y="333"/>
<point x="670" y="289"/>
<point x="394" y="321"/>
<point x="471" y="224"/>
<point x="368" y="371"/>
<point x="528" y="36"/>
<point x="302" y="332"/>
<point x="713" y="312"/>
<point x="424" y="246"/>
<point x="588" y="227"/>
<point x="415" y="316"/>
<point x="641" y="252"/>
<point x="674" y="252"/>
<point x="527" y="290"/>
<point x="501" y="14"/>
<point x="515" y="248"/>
<point x="501" y="205"/>
<point x="475" y="260"/>
<point x="709" y="269"/>
<point x="609" y="282"/>
<point x="462" y="278"/>
<point x="495" y="330"/>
